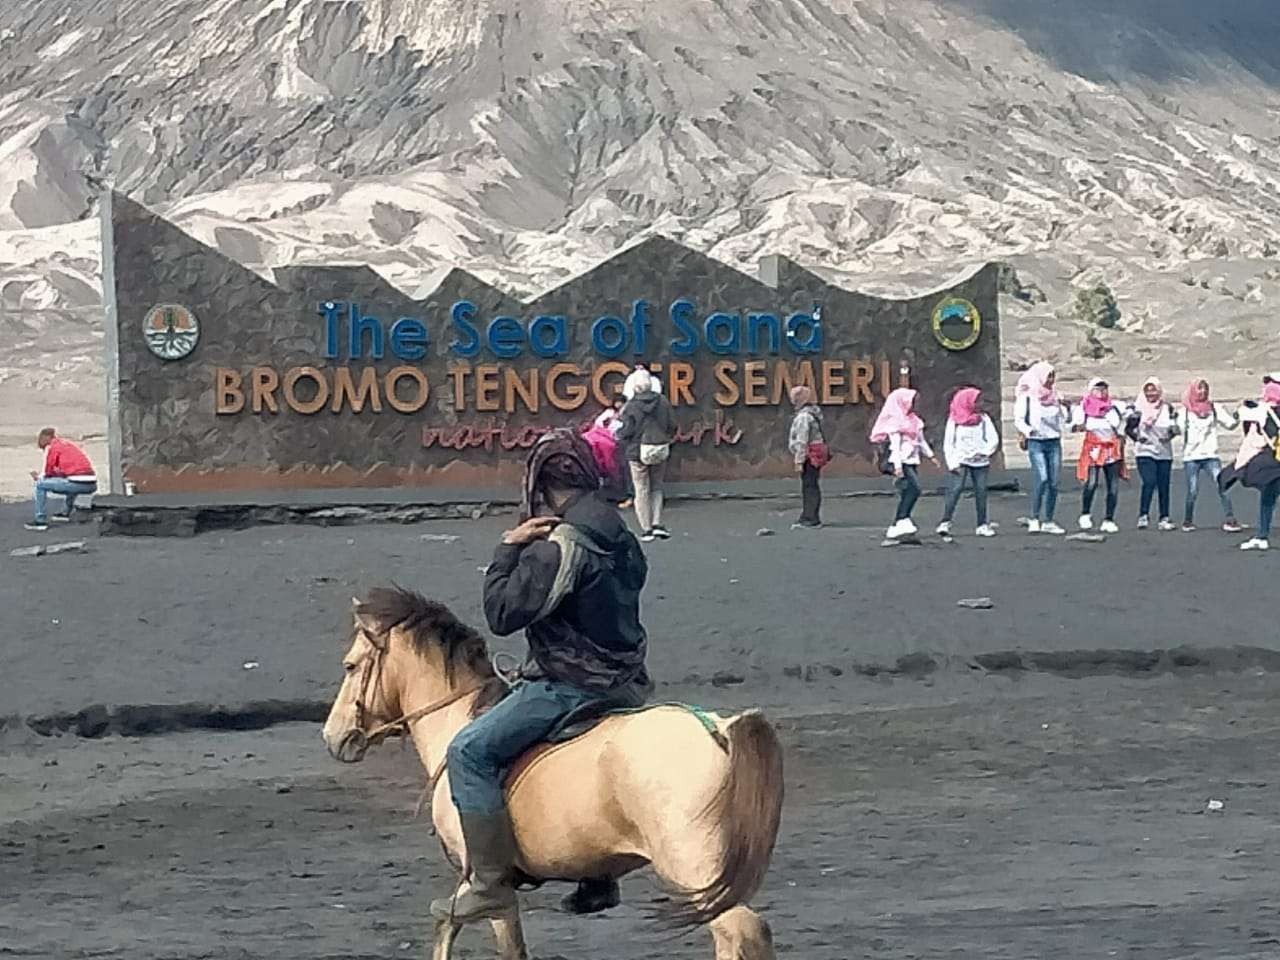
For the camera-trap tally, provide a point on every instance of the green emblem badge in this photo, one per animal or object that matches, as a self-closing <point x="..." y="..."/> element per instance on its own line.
<point x="957" y="324"/>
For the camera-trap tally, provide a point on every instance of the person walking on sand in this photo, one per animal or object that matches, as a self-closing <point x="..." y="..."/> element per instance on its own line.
<point x="967" y="447"/>
<point x="1257" y="465"/>
<point x="1041" y="418"/>
<point x="1154" y="426"/>
<point x="1198" y="423"/>
<point x="899" y="426"/>
<point x="1102" y="455"/>
<point x="648" y="428"/>
<point x="67" y="473"/>
<point x="808" y="446"/>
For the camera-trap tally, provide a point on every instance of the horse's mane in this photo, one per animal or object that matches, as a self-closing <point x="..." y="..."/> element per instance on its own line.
<point x="427" y="624"/>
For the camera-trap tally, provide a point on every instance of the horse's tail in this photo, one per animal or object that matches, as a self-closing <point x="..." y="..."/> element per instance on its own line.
<point x="745" y="813"/>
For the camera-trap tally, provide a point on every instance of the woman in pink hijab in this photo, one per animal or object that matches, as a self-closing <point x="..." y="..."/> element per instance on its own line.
<point x="970" y="442"/>
<point x="901" y="429"/>
<point x="1199" y="423"/>
<point x="1041" y="419"/>
<point x="1153" y="450"/>
<point x="1102" y="454"/>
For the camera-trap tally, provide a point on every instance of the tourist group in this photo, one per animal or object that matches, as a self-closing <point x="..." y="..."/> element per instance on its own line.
<point x="1150" y="422"/>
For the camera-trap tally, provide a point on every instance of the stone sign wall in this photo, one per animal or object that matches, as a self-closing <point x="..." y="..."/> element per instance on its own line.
<point x="332" y="377"/>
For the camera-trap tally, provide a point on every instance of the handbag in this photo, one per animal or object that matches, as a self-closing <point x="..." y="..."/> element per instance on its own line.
<point x="652" y="454"/>
<point x="819" y="454"/>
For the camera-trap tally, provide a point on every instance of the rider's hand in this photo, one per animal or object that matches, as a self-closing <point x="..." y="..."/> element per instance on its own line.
<point x="535" y="528"/>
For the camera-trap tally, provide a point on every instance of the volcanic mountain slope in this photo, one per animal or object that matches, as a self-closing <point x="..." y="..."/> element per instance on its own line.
<point x="884" y="143"/>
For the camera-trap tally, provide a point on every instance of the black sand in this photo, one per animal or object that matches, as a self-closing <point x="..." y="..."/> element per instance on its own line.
<point x="1027" y="781"/>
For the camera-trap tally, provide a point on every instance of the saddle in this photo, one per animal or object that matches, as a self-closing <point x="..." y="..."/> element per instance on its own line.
<point x="578" y="723"/>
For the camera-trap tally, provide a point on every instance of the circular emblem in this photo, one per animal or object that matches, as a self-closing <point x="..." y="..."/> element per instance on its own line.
<point x="171" y="331"/>
<point x="957" y="324"/>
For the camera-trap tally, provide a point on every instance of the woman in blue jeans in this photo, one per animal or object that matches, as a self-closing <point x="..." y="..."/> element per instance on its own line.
<point x="1040" y="417"/>
<point x="901" y="427"/>
<point x="1199" y="422"/>
<point x="1154" y="427"/>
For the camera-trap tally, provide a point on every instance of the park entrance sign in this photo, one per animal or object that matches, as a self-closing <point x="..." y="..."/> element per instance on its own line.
<point x="331" y="377"/>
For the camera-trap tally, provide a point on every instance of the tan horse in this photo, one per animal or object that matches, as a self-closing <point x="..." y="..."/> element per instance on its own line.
<point x="654" y="787"/>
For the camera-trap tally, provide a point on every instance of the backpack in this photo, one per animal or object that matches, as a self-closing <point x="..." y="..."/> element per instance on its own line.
<point x="883" y="452"/>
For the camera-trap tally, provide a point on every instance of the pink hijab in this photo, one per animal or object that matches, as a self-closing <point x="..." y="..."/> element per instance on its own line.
<point x="896" y="416"/>
<point x="1200" y="408"/>
<point x="1150" y="411"/>
<point x="964" y="407"/>
<point x="604" y="447"/>
<point x="1095" y="406"/>
<point x="1035" y="383"/>
<point x="1271" y="393"/>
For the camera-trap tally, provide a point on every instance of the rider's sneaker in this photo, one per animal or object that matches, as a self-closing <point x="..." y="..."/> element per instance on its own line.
<point x="1257" y="543"/>
<point x="1086" y="522"/>
<point x="944" y="529"/>
<point x="1234" y="526"/>
<point x="1109" y="526"/>
<point x="1051" y="528"/>
<point x="1166" y="525"/>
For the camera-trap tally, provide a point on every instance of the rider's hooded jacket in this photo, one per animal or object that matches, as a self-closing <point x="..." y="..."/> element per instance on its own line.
<point x="576" y="594"/>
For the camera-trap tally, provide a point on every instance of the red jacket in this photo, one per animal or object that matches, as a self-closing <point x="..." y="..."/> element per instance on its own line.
<point x="62" y="458"/>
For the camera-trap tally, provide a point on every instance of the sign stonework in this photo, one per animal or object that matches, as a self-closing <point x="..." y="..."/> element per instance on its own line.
<point x="332" y="377"/>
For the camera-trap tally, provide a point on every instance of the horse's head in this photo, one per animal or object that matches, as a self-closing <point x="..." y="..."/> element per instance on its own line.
<point x="405" y="651"/>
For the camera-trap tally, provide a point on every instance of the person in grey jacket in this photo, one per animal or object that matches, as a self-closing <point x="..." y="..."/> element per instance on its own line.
<point x="646" y="432"/>
<point x="806" y="430"/>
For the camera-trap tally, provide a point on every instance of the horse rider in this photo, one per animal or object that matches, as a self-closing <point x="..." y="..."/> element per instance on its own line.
<point x="570" y="575"/>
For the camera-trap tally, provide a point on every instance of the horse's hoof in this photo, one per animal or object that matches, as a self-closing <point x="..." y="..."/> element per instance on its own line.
<point x="592" y="896"/>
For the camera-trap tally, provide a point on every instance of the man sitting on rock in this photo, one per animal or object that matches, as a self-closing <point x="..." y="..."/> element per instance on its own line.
<point x="67" y="472"/>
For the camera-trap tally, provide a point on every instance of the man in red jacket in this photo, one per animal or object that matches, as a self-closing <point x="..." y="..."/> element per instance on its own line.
<point x="67" y="472"/>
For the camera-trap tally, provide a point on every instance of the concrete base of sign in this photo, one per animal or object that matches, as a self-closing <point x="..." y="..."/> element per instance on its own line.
<point x="186" y="515"/>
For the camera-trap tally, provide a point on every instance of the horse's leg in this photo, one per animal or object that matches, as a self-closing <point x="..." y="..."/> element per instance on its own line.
<point x="446" y="933"/>
<point x="740" y="934"/>
<point x="510" y="936"/>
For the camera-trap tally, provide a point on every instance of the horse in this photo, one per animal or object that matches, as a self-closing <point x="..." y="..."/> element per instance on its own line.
<point x="695" y="795"/>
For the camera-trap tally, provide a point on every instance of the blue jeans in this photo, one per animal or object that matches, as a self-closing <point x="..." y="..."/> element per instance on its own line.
<point x="1267" y="510"/>
<point x="1156" y="475"/>
<point x="908" y="487"/>
<point x="484" y="750"/>
<point x="64" y="488"/>
<point x="1046" y="464"/>
<point x="955" y="487"/>
<point x="1193" y="469"/>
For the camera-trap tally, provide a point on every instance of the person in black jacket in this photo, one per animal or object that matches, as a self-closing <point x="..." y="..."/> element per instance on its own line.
<point x="646" y="431"/>
<point x="570" y="576"/>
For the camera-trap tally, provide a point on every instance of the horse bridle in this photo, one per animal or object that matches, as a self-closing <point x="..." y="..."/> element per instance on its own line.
<point x="371" y="674"/>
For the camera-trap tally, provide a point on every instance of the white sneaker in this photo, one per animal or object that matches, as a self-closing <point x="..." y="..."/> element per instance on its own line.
<point x="1086" y="522"/>
<point x="1109" y="526"/>
<point x="895" y="531"/>
<point x="1144" y="522"/>
<point x="1051" y="528"/>
<point x="944" y="528"/>
<point x="1166" y="525"/>
<point x="1033" y="526"/>
<point x="986" y="530"/>
<point x="1257" y="543"/>
<point x="909" y="527"/>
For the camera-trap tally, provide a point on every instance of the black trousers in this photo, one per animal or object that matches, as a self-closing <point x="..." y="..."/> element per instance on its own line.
<point x="810" y="494"/>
